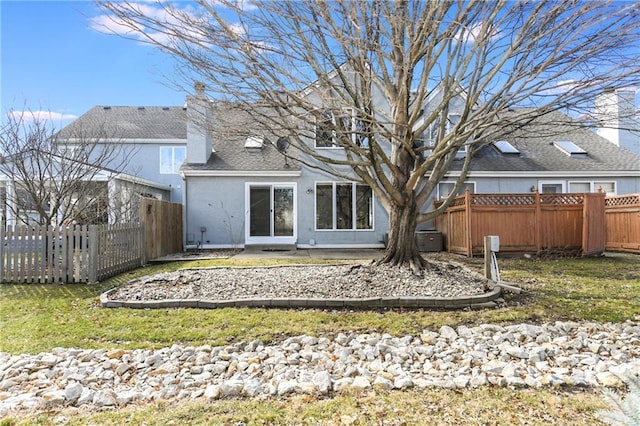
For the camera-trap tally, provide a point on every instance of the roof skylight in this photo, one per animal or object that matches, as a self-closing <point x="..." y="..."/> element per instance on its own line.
<point x="254" y="142"/>
<point x="505" y="147"/>
<point x="570" y="148"/>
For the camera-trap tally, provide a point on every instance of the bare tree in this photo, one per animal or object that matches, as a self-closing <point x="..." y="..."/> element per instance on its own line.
<point x="52" y="183"/>
<point x="373" y="76"/>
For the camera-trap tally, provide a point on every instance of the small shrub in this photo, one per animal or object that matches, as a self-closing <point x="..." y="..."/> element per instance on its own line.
<point x="625" y="411"/>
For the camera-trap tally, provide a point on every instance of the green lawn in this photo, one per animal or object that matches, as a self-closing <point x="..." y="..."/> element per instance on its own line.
<point x="37" y="318"/>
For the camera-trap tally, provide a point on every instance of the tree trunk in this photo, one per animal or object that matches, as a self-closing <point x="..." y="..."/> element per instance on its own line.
<point x="402" y="248"/>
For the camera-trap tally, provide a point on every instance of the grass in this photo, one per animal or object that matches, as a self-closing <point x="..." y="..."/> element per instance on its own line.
<point x="493" y="406"/>
<point x="37" y="318"/>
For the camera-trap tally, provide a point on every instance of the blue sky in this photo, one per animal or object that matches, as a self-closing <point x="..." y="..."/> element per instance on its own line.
<point x="52" y="60"/>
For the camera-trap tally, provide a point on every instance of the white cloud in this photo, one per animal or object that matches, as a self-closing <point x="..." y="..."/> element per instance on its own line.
<point x="635" y="89"/>
<point x="560" y="87"/>
<point x="470" y="34"/>
<point x="30" y="116"/>
<point x="238" y="29"/>
<point x="109" y="24"/>
<point x="247" y="5"/>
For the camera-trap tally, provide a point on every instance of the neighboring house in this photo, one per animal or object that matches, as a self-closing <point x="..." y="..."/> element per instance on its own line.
<point x="102" y="195"/>
<point x="550" y="154"/>
<point x="238" y="190"/>
<point x="153" y="139"/>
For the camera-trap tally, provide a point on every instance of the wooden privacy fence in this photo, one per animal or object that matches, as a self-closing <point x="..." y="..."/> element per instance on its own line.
<point x="525" y="222"/>
<point x="162" y="222"/>
<point x="69" y="254"/>
<point x="622" y="219"/>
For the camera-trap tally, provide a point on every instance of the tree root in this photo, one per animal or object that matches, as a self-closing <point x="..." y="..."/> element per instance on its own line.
<point x="416" y="263"/>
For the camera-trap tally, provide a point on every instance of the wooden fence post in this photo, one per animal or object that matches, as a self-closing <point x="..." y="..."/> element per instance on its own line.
<point x="142" y="244"/>
<point x="487" y="256"/>
<point x="537" y="218"/>
<point x="468" y="212"/>
<point x="93" y="253"/>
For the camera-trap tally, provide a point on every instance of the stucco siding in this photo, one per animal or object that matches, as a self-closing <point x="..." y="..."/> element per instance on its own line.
<point x="143" y="160"/>
<point x="218" y="204"/>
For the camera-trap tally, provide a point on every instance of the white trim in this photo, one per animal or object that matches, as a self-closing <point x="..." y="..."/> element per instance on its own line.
<point x="142" y="181"/>
<point x="341" y="246"/>
<point x="142" y="141"/>
<point x="549" y="174"/>
<point x="214" y="246"/>
<point x="248" y="239"/>
<point x="241" y="173"/>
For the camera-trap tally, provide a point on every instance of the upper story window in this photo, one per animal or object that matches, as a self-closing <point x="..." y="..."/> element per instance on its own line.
<point x="324" y="130"/>
<point x="336" y="124"/>
<point x="171" y="158"/>
<point x="429" y="138"/>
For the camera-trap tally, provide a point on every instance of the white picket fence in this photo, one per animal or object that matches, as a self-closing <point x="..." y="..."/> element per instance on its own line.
<point x="69" y="254"/>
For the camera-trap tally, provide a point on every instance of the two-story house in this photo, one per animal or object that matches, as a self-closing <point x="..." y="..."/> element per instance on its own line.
<point x="239" y="184"/>
<point x="239" y="190"/>
<point x="153" y="141"/>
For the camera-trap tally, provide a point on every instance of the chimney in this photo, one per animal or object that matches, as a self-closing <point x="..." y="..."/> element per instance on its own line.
<point x="618" y="120"/>
<point x="199" y="143"/>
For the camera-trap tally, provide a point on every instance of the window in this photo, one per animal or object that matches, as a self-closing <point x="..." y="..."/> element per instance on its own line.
<point x="344" y="206"/>
<point x="360" y="136"/>
<point x="429" y="138"/>
<point x="551" y="187"/>
<point x="171" y="158"/>
<point x="332" y="124"/>
<point x="324" y="132"/>
<point x="445" y="188"/>
<point x="452" y="120"/>
<point x="593" y="186"/>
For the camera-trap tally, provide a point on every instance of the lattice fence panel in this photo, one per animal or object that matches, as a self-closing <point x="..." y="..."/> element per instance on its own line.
<point x="503" y="199"/>
<point x="623" y="201"/>
<point x="562" y="199"/>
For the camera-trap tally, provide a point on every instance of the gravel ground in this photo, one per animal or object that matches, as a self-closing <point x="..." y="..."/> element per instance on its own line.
<point x="559" y="354"/>
<point x="313" y="281"/>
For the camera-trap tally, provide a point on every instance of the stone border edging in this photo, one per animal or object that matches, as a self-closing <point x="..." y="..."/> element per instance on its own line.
<point x="477" y="301"/>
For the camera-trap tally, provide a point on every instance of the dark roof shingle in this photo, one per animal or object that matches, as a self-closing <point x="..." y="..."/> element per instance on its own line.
<point x="231" y="126"/>
<point x="535" y="141"/>
<point x="129" y="122"/>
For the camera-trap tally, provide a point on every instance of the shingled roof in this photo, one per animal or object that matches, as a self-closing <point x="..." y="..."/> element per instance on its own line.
<point x="230" y="130"/>
<point x="129" y="122"/>
<point x="231" y="155"/>
<point x="537" y="152"/>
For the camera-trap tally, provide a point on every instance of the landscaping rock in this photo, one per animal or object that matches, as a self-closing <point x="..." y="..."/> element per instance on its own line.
<point x="573" y="354"/>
